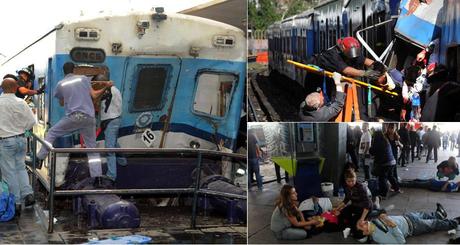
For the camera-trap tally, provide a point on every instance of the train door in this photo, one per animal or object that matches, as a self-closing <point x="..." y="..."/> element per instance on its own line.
<point x="149" y="92"/>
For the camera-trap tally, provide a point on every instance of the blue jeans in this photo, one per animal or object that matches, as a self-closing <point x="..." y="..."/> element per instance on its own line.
<point x="111" y="137"/>
<point x="12" y="158"/>
<point x="424" y="222"/>
<point x="254" y="168"/>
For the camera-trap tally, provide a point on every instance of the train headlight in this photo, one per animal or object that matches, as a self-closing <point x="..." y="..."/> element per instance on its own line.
<point x="224" y="41"/>
<point x="87" y="34"/>
<point x="194" y="144"/>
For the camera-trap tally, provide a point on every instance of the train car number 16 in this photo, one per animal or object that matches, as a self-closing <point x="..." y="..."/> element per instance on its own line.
<point x="148" y="137"/>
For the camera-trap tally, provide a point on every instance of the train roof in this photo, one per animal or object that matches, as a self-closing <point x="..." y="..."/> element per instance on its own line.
<point x="140" y="34"/>
<point x="306" y="13"/>
<point x="180" y="35"/>
<point x="232" y="12"/>
<point x="324" y="3"/>
<point x="107" y="16"/>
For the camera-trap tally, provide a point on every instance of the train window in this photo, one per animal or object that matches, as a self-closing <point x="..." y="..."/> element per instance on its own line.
<point x="288" y="45"/>
<point x="213" y="93"/>
<point x="151" y="83"/>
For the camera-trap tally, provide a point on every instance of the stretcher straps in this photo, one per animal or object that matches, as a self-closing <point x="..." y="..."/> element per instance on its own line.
<point x="326" y="97"/>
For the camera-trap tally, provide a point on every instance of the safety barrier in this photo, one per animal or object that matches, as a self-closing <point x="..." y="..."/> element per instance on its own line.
<point x="199" y="153"/>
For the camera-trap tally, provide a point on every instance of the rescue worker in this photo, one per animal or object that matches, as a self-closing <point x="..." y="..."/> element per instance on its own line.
<point x="25" y="82"/>
<point x="75" y="94"/>
<point x="316" y="110"/>
<point x="346" y="58"/>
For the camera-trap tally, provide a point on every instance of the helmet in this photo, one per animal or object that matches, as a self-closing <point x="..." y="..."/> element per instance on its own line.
<point x="25" y="70"/>
<point x="349" y="46"/>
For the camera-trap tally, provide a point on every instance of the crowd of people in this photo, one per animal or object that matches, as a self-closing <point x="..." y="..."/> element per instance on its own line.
<point x="423" y="86"/>
<point x="82" y="99"/>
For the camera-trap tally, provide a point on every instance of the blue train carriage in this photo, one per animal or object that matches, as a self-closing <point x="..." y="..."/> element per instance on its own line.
<point x="288" y="28"/>
<point x="274" y="46"/>
<point x="181" y="77"/>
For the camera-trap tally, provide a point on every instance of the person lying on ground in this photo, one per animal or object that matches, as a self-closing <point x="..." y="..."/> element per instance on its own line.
<point x="448" y="169"/>
<point x="287" y="221"/>
<point x="394" y="229"/>
<point x="446" y="180"/>
<point x="433" y="184"/>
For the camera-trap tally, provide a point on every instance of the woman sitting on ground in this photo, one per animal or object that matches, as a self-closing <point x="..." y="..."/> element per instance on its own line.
<point x="288" y="222"/>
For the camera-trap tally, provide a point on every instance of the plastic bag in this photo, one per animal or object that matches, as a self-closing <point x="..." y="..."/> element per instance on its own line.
<point x="7" y="207"/>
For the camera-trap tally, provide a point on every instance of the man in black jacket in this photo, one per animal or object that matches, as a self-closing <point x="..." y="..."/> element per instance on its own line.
<point x="433" y="142"/>
<point x="314" y="109"/>
<point x="346" y="58"/>
<point x="405" y="141"/>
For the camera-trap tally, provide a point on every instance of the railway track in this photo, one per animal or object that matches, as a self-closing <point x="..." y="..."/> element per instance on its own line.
<point x="260" y="109"/>
<point x="272" y="98"/>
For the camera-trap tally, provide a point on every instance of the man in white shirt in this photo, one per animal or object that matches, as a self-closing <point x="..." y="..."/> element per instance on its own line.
<point x="111" y="109"/>
<point x="16" y="117"/>
<point x="364" y="145"/>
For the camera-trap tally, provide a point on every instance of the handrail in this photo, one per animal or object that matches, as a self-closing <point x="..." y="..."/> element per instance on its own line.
<point x="196" y="190"/>
<point x="139" y="150"/>
<point x="366" y="46"/>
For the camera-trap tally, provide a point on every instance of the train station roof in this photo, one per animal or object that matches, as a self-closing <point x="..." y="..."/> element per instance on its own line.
<point x="232" y="12"/>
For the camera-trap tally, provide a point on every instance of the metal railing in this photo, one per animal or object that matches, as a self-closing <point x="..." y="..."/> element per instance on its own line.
<point x="196" y="190"/>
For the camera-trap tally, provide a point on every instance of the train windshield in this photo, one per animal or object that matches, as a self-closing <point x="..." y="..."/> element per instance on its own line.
<point x="213" y="93"/>
<point x="151" y="81"/>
